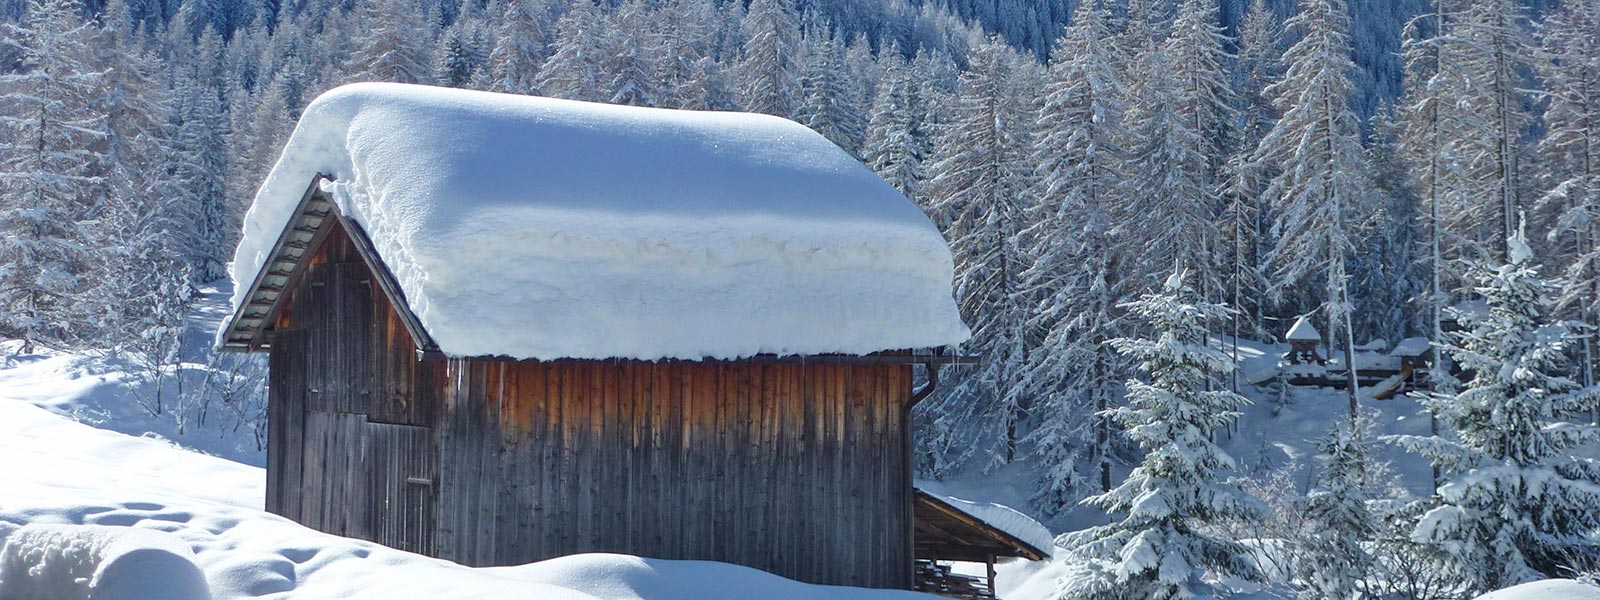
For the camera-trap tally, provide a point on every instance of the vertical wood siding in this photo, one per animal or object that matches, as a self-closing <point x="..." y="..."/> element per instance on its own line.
<point x="350" y="450"/>
<point x="797" y="469"/>
<point x="794" y="469"/>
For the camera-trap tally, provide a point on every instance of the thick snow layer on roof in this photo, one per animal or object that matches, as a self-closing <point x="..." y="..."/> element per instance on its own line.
<point x="541" y="228"/>
<point x="1000" y="517"/>
<point x="1304" y="331"/>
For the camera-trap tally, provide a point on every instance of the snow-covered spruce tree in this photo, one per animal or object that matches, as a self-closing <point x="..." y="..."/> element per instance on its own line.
<point x="1161" y="543"/>
<point x="979" y="193"/>
<point x="769" y="68"/>
<point x="141" y="227"/>
<point x="1203" y="94"/>
<point x="1570" y="71"/>
<point x="575" y="70"/>
<point x="1320" y="185"/>
<point x="829" y="104"/>
<point x="1389" y="283"/>
<point x="200" y="162"/>
<point x="1495" y="57"/>
<point x="391" y="46"/>
<point x="896" y="135"/>
<point x="631" y="70"/>
<point x="1166" y="165"/>
<point x="1246" y="216"/>
<point x="1333" y="561"/>
<point x="1076" y="270"/>
<point x="454" y="59"/>
<point x="51" y="166"/>
<point x="519" y="48"/>
<point x="1430" y="147"/>
<point x="1517" y="499"/>
<point x="681" y="32"/>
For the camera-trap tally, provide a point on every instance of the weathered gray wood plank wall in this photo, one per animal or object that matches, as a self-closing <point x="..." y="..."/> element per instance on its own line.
<point x="797" y="469"/>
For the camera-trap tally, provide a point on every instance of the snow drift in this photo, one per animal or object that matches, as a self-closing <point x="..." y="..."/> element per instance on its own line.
<point x="87" y="562"/>
<point x="1549" y="589"/>
<point x="540" y="228"/>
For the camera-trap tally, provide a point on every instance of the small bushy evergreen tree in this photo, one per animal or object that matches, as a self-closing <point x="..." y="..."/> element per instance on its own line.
<point x="1160" y="542"/>
<point x="1517" y="499"/>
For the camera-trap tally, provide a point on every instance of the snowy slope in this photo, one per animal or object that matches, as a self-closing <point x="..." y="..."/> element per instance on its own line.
<point x="541" y="228"/>
<point x="116" y="393"/>
<point x="59" y="472"/>
<point x="1549" y="589"/>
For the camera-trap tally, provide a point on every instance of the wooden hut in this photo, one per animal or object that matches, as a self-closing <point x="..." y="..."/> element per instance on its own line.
<point x="472" y="359"/>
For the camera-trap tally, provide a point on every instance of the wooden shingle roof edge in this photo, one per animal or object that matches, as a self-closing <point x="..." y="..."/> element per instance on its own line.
<point x="308" y="226"/>
<point x="994" y="534"/>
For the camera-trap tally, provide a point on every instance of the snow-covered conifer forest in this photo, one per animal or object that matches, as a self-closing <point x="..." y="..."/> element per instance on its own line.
<point x="1141" y="197"/>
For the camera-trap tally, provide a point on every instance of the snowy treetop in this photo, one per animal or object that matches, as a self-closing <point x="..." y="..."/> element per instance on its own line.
<point x="540" y="228"/>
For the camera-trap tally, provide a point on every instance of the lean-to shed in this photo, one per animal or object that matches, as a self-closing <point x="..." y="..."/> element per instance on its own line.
<point x="505" y="328"/>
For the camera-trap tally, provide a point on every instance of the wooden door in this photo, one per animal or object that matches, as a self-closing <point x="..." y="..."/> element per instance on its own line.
<point x="404" y="467"/>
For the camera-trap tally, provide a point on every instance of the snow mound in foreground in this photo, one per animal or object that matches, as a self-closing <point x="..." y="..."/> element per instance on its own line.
<point x="1549" y="589"/>
<point x="541" y="228"/>
<point x="86" y="562"/>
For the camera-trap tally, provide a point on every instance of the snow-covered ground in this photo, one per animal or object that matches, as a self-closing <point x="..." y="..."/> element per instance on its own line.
<point x="59" y="471"/>
<point x="1549" y="589"/>
<point x="76" y="449"/>
<point x="97" y="491"/>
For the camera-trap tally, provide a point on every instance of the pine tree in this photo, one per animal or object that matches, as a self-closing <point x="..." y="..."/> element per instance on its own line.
<point x="632" y="69"/>
<point x="519" y="48"/>
<point x="51" y="167"/>
<point x="769" y="67"/>
<point x="829" y="105"/>
<point x="1334" y="561"/>
<point x="1388" y="285"/>
<point x="1169" y="167"/>
<point x="1246" y="214"/>
<point x="1430" y="145"/>
<point x="682" y="32"/>
<point x="1495" y="55"/>
<point x="1320" y="185"/>
<point x="453" y="58"/>
<point x="576" y="67"/>
<point x="139" y="231"/>
<point x="1202" y="95"/>
<point x="896" y="137"/>
<point x="1518" y="498"/>
<point x="979" y="193"/>
<point x="1160" y="540"/>
<point x="390" y="46"/>
<point x="201" y="148"/>
<point x="1570" y="70"/>
<point x="1076" y="268"/>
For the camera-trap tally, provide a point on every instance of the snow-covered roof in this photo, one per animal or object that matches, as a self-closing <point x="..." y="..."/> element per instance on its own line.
<point x="1411" y="346"/>
<point x="1000" y="517"/>
<point x="540" y="228"/>
<point x="1302" y="331"/>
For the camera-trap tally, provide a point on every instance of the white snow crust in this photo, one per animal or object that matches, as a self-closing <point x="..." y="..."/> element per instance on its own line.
<point x="541" y="228"/>
<point x="1549" y="589"/>
<point x="1000" y="517"/>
